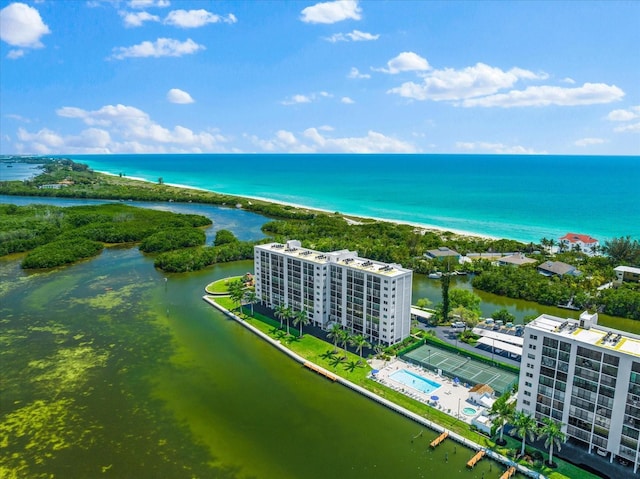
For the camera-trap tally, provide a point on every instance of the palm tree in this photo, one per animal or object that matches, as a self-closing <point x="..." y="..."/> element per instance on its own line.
<point x="546" y="243"/>
<point x="281" y="313"/>
<point x="523" y="425"/>
<point x="445" y="280"/>
<point x="250" y="297"/>
<point x="552" y="432"/>
<point x="359" y="342"/>
<point x="344" y="340"/>
<point x="563" y="245"/>
<point x="236" y="291"/>
<point x="501" y="411"/>
<point x="334" y="332"/>
<point x="288" y="314"/>
<point x="300" y="317"/>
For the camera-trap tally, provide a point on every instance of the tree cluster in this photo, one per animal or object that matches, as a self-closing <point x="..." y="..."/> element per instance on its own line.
<point x="58" y="235"/>
<point x="193" y="259"/>
<point x="525" y="283"/>
<point x="61" y="252"/>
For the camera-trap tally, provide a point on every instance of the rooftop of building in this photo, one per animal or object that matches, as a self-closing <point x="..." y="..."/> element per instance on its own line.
<point x="627" y="269"/>
<point x="516" y="259"/>
<point x="442" y="252"/>
<point x="556" y="267"/>
<point x="587" y="331"/>
<point x="342" y="257"/>
<point x="575" y="237"/>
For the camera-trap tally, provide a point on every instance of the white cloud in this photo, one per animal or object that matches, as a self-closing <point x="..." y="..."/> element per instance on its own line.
<point x="140" y="4"/>
<point x="196" y="18"/>
<point x="451" y="84"/>
<point x="162" y="47"/>
<point x="15" y="54"/>
<point x="312" y="141"/>
<point x="297" y="99"/>
<point x="347" y="100"/>
<point x="136" y="19"/>
<point x="498" y="148"/>
<point x="568" y="80"/>
<point x="22" y="26"/>
<point x="624" y="115"/>
<point x="373" y="142"/>
<point x="354" y="36"/>
<point x="175" y="95"/>
<point x="19" y="118"/>
<point x="630" y="128"/>
<point x="332" y="12"/>
<point x="589" y="141"/>
<point x="118" y="129"/>
<point x="405" y="62"/>
<point x="355" y="73"/>
<point x="286" y="137"/>
<point x="587" y="94"/>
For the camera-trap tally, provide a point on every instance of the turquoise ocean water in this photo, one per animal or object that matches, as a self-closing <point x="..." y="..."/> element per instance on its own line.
<point x="507" y="196"/>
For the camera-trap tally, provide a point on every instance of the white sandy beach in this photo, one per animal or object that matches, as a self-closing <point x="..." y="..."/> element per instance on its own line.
<point x="352" y="219"/>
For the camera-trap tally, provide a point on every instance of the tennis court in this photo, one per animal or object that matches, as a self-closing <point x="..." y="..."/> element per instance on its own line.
<point x="467" y="370"/>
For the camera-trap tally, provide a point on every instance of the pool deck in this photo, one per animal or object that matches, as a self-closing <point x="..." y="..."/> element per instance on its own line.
<point x="451" y="397"/>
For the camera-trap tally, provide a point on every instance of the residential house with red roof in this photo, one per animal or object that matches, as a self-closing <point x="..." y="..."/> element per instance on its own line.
<point x="585" y="243"/>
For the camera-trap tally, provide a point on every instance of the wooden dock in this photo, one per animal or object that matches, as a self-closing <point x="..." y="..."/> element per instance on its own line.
<point x="475" y="459"/>
<point x="439" y="439"/>
<point x="321" y="371"/>
<point x="509" y="473"/>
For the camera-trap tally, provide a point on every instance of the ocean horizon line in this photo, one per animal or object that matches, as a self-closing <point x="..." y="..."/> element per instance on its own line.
<point x="316" y="153"/>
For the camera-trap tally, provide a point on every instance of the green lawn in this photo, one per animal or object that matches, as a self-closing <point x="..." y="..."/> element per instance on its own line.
<point x="352" y="368"/>
<point x="221" y="286"/>
<point x="564" y="469"/>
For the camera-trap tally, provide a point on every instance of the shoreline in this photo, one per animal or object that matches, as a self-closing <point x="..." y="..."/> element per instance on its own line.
<point x="350" y="218"/>
<point x="389" y="404"/>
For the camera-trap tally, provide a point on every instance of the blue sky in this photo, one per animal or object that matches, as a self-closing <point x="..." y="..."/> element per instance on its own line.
<point x="153" y="76"/>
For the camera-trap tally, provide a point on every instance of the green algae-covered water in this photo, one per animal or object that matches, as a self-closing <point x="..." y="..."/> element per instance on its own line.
<point x="111" y="369"/>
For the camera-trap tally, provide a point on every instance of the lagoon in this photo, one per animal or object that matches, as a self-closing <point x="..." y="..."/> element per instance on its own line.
<point x="110" y="370"/>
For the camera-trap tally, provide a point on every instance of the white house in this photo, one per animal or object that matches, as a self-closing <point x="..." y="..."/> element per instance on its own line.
<point x="626" y="273"/>
<point x="585" y="243"/>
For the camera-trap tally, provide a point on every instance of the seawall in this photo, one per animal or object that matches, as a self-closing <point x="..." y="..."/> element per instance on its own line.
<point x="385" y="402"/>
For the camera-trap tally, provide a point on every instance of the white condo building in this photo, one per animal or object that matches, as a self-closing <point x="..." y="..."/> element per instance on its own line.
<point x="366" y="297"/>
<point x="587" y="377"/>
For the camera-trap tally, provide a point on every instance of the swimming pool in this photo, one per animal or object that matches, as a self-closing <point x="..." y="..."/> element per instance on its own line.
<point x="415" y="381"/>
<point x="469" y="411"/>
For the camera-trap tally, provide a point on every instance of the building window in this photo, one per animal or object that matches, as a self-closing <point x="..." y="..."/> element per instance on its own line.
<point x="527" y="393"/>
<point x="528" y="384"/>
<point x="531" y="356"/>
<point x="529" y="375"/>
<point x="533" y="336"/>
<point x="527" y="403"/>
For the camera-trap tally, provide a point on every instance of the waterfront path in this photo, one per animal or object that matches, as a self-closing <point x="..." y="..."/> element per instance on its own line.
<point x="385" y="402"/>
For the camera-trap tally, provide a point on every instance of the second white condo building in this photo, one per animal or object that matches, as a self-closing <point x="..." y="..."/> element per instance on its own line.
<point x="587" y="377"/>
<point x="366" y="297"/>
